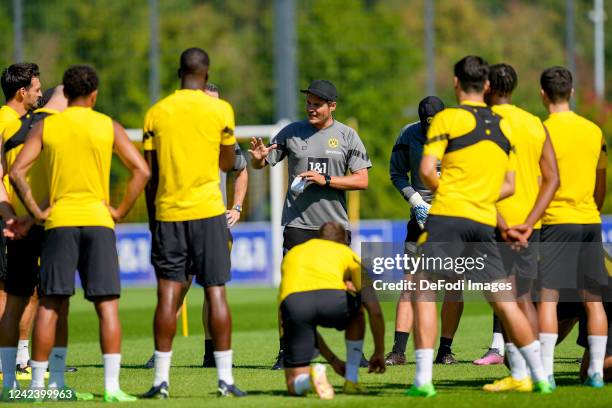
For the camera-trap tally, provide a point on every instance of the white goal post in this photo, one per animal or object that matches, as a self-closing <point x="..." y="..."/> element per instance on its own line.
<point x="277" y="186"/>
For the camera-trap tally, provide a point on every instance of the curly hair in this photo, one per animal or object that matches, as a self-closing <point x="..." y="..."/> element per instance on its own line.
<point x="502" y="79"/>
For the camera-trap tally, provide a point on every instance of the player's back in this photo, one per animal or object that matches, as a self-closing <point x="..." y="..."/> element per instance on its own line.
<point x="318" y="264"/>
<point x="474" y="147"/>
<point x="528" y="137"/>
<point x="578" y="145"/>
<point x="77" y="152"/>
<point x="186" y="130"/>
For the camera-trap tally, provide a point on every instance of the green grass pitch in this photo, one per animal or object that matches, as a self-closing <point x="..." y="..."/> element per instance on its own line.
<point x="255" y="346"/>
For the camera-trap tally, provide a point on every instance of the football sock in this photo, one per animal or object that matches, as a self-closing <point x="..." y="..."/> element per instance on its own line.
<point x="301" y="384"/>
<point x="209" y="347"/>
<point x="162" y="367"/>
<point x="57" y="367"/>
<point x="112" y="365"/>
<point x="498" y="342"/>
<point x="400" y="341"/>
<point x="597" y="354"/>
<point x="39" y="368"/>
<point x="8" y="354"/>
<point x="446" y="343"/>
<point x="518" y="365"/>
<point x="548" y="341"/>
<point x="223" y="360"/>
<point x="354" y="351"/>
<point x="23" y="353"/>
<point x="533" y="357"/>
<point x="424" y="366"/>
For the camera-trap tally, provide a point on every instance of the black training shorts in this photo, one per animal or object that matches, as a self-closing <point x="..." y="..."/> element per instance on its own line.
<point x="457" y="237"/>
<point x="23" y="262"/>
<point x="302" y="312"/>
<point x="90" y="250"/>
<point x="572" y="257"/>
<point x="197" y="247"/>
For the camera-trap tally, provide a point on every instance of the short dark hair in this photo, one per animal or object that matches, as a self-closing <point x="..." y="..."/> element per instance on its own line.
<point x="556" y="82"/>
<point x="194" y="61"/>
<point x="502" y="79"/>
<point x="18" y="76"/>
<point x="472" y="72"/>
<point x="333" y="231"/>
<point x="79" y="80"/>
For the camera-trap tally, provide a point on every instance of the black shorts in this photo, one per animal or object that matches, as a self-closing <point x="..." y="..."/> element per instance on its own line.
<point x="2" y="252"/>
<point x="23" y="262"/>
<point x="302" y="312"/>
<point x="522" y="263"/>
<point x="293" y="236"/>
<point x="572" y="257"/>
<point x="90" y="250"/>
<point x="456" y="237"/>
<point x="197" y="247"/>
<point x="413" y="232"/>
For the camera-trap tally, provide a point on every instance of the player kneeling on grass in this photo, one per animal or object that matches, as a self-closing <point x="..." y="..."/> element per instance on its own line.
<point x="321" y="286"/>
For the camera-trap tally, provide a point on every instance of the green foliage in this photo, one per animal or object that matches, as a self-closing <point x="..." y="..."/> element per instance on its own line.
<point x="373" y="50"/>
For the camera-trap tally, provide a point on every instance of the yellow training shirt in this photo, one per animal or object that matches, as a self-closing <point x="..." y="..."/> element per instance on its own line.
<point x="7" y="115"/>
<point x="528" y="137"/>
<point x="77" y="152"/>
<point x="474" y="160"/>
<point x="318" y="264"/>
<point x="12" y="139"/>
<point x="186" y="130"/>
<point x="580" y="149"/>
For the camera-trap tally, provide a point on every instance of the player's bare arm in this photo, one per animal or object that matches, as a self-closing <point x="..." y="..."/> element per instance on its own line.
<point x="355" y="181"/>
<point x="377" y="327"/>
<point x="599" y="194"/>
<point x="259" y="152"/>
<point x="508" y="187"/>
<point x="429" y="172"/>
<point x="23" y="163"/>
<point x="6" y="209"/>
<point x="151" y="187"/>
<point x="227" y="156"/>
<point x="241" y="183"/>
<point x="548" y="187"/>
<point x="140" y="173"/>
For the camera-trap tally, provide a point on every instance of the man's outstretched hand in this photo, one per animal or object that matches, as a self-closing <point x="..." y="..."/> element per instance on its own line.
<point x="258" y="149"/>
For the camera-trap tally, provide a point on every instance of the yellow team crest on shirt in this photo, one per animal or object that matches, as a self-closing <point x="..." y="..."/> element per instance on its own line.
<point x="332" y="142"/>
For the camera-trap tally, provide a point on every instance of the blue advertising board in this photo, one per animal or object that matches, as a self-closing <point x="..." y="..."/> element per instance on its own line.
<point x="252" y="249"/>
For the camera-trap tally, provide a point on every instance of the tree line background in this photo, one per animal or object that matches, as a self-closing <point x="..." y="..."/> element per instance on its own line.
<point x="371" y="49"/>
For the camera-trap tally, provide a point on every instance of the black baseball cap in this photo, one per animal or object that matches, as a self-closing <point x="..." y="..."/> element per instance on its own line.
<point x="323" y="89"/>
<point x="428" y="107"/>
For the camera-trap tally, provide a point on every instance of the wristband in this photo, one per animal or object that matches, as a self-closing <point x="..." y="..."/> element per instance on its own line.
<point x="327" y="180"/>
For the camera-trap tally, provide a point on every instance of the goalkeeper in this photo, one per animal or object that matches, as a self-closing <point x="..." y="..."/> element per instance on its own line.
<point x="404" y="171"/>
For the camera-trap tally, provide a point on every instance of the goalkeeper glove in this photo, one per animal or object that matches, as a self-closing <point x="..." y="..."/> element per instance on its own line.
<point x="420" y="209"/>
